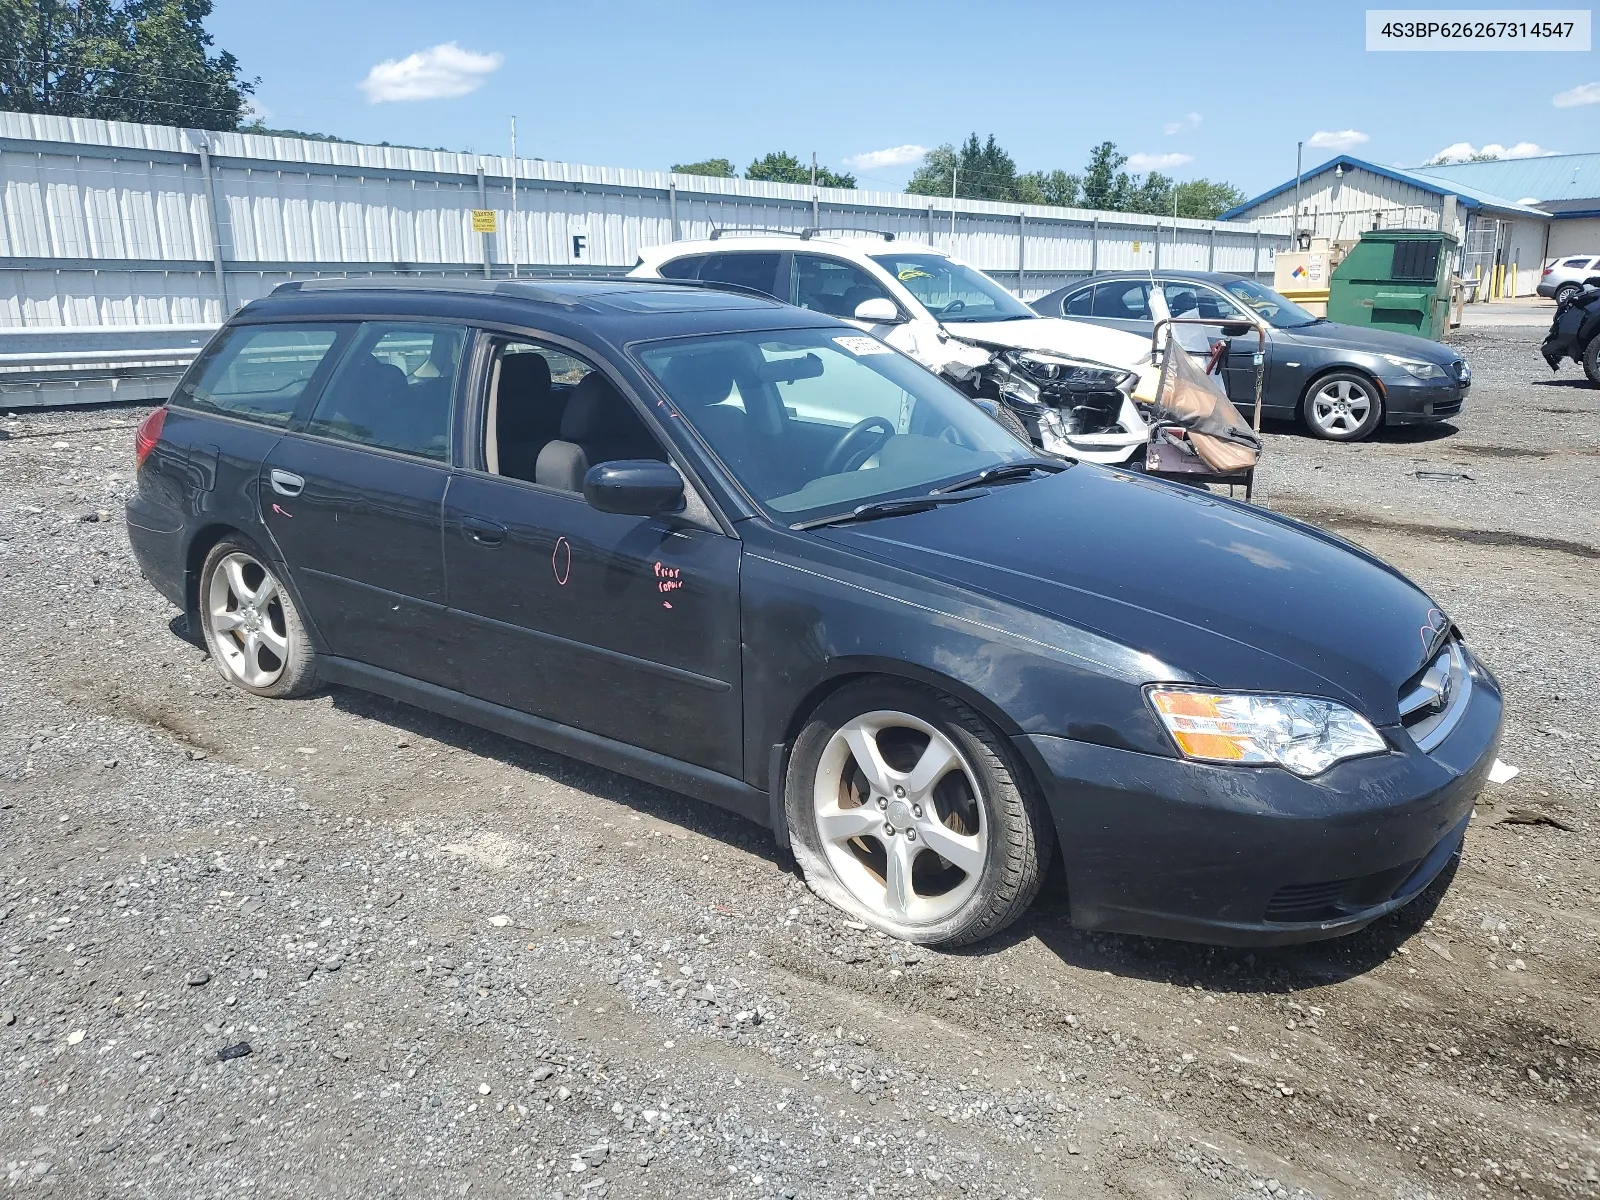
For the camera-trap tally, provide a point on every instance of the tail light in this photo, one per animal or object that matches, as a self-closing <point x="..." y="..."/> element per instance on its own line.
<point x="148" y="434"/>
<point x="1549" y="270"/>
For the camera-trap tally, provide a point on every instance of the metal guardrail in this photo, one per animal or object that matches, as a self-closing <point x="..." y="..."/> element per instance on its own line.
<point x="64" y="365"/>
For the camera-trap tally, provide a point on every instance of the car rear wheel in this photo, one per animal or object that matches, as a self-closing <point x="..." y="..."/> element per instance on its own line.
<point x="1591" y="360"/>
<point x="1565" y="292"/>
<point x="252" y="628"/>
<point x="1342" y="407"/>
<point x="910" y="813"/>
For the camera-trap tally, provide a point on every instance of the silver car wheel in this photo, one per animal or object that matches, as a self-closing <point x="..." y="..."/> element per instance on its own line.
<point x="1341" y="407"/>
<point x="900" y="818"/>
<point x="244" y="608"/>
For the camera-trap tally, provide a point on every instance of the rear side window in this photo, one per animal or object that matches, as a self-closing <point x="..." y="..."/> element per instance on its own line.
<point x="1125" y="301"/>
<point x="1077" y="304"/>
<point x="393" y="389"/>
<point x="1580" y="263"/>
<point x="258" y="372"/>
<point x="682" y="268"/>
<point x="750" y="269"/>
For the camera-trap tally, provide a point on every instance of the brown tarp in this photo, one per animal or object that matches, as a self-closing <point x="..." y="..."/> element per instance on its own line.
<point x="1187" y="396"/>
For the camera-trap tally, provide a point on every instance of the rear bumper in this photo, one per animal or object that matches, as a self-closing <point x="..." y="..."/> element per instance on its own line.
<point x="1547" y="290"/>
<point x="1258" y="857"/>
<point x="159" y="550"/>
<point x="1412" y="402"/>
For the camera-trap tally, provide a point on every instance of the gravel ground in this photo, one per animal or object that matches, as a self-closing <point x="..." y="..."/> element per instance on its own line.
<point x="340" y="947"/>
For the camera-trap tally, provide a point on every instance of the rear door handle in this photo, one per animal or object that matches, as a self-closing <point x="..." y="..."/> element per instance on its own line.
<point x="286" y="483"/>
<point x="484" y="533"/>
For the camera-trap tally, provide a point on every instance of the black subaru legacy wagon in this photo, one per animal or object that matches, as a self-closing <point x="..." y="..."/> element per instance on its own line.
<point x="747" y="552"/>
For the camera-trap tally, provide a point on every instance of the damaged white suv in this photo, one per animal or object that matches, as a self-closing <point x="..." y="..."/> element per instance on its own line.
<point x="1072" y="384"/>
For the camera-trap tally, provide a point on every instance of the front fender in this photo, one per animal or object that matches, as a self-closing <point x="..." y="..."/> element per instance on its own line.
<point x="814" y="614"/>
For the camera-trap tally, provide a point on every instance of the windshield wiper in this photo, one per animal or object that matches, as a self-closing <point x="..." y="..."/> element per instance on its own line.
<point x="1011" y="470"/>
<point x="888" y="508"/>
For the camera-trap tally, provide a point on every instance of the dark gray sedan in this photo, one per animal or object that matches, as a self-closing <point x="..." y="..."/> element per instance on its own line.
<point x="1342" y="380"/>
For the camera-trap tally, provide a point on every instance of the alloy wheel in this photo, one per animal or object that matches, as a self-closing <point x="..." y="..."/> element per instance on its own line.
<point x="900" y="818"/>
<point x="1340" y="407"/>
<point x="244" y="606"/>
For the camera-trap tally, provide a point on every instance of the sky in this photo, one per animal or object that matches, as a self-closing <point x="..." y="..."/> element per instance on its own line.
<point x="1219" y="92"/>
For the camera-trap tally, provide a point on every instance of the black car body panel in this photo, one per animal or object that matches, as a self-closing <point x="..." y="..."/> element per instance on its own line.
<point x="687" y="649"/>
<point x="1298" y="355"/>
<point x="1575" y="325"/>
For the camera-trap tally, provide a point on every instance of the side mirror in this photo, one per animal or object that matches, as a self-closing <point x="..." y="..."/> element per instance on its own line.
<point x="880" y="310"/>
<point x="1237" y="330"/>
<point x="634" y="487"/>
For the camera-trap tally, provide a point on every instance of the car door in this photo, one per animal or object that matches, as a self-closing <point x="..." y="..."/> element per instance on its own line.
<point x="1191" y="298"/>
<point x="837" y="287"/>
<point x="353" y="496"/>
<point x="625" y="627"/>
<point x="1121" y="304"/>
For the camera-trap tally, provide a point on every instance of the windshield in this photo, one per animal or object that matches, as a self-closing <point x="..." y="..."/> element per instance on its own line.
<point x="951" y="291"/>
<point x="1265" y="302"/>
<point x="814" y="422"/>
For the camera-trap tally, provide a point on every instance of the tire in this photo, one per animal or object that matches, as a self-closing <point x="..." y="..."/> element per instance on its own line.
<point x="252" y="628"/>
<point x="975" y="801"/>
<point x="1565" y="292"/>
<point x="1342" y="406"/>
<point x="1591" y="360"/>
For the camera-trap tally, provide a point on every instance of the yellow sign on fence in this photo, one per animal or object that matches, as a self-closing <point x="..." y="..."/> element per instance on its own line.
<point x="483" y="220"/>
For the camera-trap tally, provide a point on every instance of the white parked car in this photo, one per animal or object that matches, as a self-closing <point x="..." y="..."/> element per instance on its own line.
<point x="1072" y="383"/>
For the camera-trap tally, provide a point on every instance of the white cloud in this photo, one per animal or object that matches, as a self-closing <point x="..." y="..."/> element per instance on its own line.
<point x="1158" y="162"/>
<point x="1337" y="139"/>
<point x="893" y="156"/>
<point x="1584" y="93"/>
<point x="1465" y="151"/>
<point x="433" y="74"/>
<point x="1184" y="124"/>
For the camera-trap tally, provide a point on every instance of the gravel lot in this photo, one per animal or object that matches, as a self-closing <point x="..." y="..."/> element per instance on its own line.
<point x="340" y="947"/>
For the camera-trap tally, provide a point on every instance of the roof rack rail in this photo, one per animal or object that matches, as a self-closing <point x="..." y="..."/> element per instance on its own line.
<point x="805" y="235"/>
<point x="820" y="232"/>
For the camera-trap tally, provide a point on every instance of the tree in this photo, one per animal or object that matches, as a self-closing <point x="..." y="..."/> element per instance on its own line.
<point x="781" y="167"/>
<point x="1105" y="184"/>
<point x="718" y="168"/>
<point x="983" y="171"/>
<point x="1049" y="187"/>
<point x="119" y="60"/>
<point x="1206" y="200"/>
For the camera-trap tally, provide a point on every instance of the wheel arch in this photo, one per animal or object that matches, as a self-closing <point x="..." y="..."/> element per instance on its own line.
<point x="200" y="545"/>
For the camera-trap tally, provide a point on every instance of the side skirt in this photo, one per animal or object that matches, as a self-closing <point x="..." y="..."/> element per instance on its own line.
<point x="721" y="790"/>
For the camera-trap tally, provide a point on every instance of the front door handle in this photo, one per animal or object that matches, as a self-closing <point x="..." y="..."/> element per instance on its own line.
<point x="483" y="533"/>
<point x="286" y="483"/>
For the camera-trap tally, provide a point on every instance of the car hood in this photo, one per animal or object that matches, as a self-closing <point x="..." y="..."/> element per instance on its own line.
<point x="1077" y="339"/>
<point x="1220" y="593"/>
<point x="1335" y="336"/>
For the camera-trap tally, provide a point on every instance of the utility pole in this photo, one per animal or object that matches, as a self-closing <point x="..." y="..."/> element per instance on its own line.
<point x="955" y="166"/>
<point x="514" y="255"/>
<point x="1294" y="233"/>
<point x="813" y="168"/>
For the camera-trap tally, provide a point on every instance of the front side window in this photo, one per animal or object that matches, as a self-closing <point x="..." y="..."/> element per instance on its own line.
<point x="831" y="286"/>
<point x="393" y="389"/>
<point x="953" y="291"/>
<point x="258" y="372"/>
<point x="813" y="421"/>
<point x="1267" y="304"/>
<point x="1197" y="300"/>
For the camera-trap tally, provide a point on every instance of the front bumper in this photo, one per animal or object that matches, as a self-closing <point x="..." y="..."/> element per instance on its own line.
<point x="1410" y="401"/>
<point x="1256" y="856"/>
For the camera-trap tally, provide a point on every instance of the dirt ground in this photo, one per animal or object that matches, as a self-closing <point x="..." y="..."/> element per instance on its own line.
<point x="466" y="967"/>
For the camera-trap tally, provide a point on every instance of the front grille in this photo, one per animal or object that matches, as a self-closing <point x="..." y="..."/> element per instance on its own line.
<point x="1433" y="700"/>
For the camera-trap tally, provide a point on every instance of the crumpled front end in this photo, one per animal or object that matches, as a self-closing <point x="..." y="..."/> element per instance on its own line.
<point x="1070" y="407"/>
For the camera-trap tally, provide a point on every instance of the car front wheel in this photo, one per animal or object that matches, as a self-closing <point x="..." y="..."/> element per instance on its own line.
<point x="251" y="626"/>
<point x="910" y="813"/>
<point x="1342" y="407"/>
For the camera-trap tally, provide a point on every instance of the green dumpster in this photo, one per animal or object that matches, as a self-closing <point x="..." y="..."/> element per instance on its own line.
<point x="1395" y="279"/>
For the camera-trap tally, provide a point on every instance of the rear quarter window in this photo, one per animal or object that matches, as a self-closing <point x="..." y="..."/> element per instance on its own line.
<point x="258" y="372"/>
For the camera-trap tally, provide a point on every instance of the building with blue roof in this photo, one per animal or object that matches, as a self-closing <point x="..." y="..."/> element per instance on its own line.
<point x="1517" y="214"/>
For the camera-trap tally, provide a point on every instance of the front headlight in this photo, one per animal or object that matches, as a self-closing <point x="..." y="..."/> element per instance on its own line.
<point x="1415" y="366"/>
<point x="1299" y="733"/>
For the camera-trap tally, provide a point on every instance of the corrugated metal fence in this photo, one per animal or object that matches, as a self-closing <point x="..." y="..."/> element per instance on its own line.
<point x="112" y="224"/>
